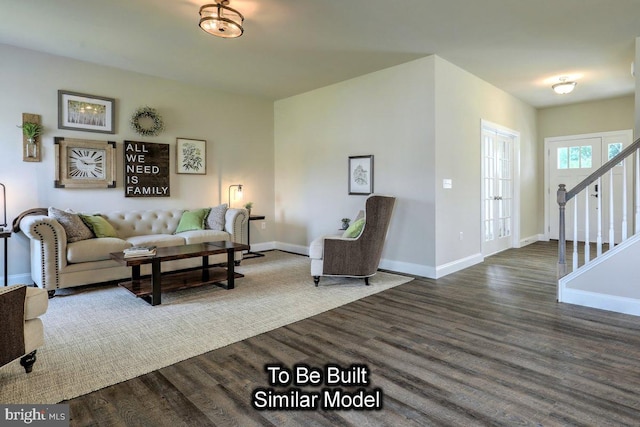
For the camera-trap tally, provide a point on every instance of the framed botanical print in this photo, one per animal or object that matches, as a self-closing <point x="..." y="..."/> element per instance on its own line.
<point x="84" y="163"/>
<point x="361" y="175"/>
<point x="191" y="156"/>
<point x="89" y="113"/>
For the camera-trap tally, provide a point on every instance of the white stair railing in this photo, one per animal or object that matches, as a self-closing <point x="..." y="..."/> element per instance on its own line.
<point x="629" y="157"/>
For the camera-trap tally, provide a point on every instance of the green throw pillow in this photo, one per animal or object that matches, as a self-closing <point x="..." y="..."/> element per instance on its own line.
<point x="354" y="229"/>
<point x="100" y="226"/>
<point x="192" y="220"/>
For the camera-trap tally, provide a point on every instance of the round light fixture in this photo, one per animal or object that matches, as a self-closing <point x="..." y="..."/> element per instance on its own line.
<point x="564" y="86"/>
<point x="221" y="20"/>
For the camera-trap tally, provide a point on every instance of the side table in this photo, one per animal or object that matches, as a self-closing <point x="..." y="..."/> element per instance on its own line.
<point x="249" y="253"/>
<point x="5" y="234"/>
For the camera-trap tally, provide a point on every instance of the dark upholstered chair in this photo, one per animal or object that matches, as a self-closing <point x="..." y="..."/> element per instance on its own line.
<point x="21" y="331"/>
<point x="354" y="257"/>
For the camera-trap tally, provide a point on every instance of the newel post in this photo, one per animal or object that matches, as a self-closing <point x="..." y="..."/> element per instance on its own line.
<point x="562" y="247"/>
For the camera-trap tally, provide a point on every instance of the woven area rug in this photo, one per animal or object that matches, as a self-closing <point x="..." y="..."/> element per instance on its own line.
<point x="101" y="335"/>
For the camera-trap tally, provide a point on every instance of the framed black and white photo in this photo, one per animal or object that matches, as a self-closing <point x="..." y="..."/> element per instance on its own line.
<point x="191" y="156"/>
<point x="361" y="175"/>
<point x="89" y="113"/>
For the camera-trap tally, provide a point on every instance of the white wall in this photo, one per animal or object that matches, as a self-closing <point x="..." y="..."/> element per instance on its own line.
<point x="421" y="121"/>
<point x="238" y="130"/>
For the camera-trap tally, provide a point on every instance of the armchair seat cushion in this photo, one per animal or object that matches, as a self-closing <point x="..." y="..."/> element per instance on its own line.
<point x="36" y="303"/>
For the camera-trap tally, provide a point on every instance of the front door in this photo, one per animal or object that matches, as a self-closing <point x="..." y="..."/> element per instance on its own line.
<point x="570" y="159"/>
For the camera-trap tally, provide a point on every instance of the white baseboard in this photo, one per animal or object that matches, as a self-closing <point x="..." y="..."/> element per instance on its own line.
<point x="265" y="246"/>
<point x="408" y="268"/>
<point x="532" y="239"/>
<point x="457" y="265"/>
<point x="288" y="247"/>
<point x="601" y="301"/>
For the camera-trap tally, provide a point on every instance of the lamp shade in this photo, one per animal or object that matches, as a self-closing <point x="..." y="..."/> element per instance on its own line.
<point x="221" y="20"/>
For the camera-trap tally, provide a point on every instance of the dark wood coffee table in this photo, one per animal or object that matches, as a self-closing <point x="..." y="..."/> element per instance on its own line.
<point x="151" y="288"/>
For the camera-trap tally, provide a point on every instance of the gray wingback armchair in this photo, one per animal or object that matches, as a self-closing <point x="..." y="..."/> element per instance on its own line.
<point x="21" y="331"/>
<point x="354" y="257"/>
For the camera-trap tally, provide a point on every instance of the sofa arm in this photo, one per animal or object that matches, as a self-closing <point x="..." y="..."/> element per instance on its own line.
<point x="235" y="224"/>
<point x="48" y="242"/>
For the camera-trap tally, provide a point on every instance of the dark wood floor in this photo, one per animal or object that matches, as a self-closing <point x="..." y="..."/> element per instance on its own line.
<point x="485" y="346"/>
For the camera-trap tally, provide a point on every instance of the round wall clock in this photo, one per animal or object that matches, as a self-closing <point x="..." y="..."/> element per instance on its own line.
<point x="83" y="163"/>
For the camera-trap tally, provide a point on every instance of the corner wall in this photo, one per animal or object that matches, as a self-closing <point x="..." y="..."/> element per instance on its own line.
<point x="421" y="120"/>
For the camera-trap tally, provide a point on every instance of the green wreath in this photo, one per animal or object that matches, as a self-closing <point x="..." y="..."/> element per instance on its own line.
<point x="147" y="113"/>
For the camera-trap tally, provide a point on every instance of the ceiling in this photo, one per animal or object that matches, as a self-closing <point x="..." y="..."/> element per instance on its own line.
<point x="293" y="46"/>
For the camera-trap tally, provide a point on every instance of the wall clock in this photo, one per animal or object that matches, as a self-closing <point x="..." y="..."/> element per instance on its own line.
<point x="83" y="163"/>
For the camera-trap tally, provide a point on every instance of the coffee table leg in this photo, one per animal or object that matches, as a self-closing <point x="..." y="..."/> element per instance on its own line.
<point x="155" y="282"/>
<point x="205" y="268"/>
<point x="231" y="274"/>
<point x="135" y="277"/>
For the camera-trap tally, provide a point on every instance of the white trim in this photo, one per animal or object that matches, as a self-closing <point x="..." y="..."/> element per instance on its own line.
<point x="386" y="264"/>
<point x="408" y="268"/>
<point x="515" y="161"/>
<point x="529" y="240"/>
<point x="601" y="301"/>
<point x="457" y="265"/>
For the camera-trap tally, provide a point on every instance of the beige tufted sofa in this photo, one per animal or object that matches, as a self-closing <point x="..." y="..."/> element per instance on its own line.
<point x="57" y="264"/>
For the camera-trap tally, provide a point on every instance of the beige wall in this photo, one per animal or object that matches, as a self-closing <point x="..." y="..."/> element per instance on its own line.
<point x="586" y="117"/>
<point x="462" y="102"/>
<point x="421" y="120"/>
<point x="238" y="131"/>
<point x="388" y="114"/>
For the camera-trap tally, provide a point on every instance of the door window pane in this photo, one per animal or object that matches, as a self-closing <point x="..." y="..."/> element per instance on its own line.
<point x="574" y="157"/>
<point x="563" y="158"/>
<point x="586" y="156"/>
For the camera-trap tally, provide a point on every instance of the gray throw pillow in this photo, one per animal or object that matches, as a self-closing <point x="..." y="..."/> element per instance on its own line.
<point x="74" y="227"/>
<point x="215" y="220"/>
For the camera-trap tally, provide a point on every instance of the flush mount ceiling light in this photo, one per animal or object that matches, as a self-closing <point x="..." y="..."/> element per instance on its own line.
<point x="221" y="20"/>
<point x="564" y="86"/>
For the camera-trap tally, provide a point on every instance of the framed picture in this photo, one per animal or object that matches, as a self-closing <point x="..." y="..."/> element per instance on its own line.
<point x="191" y="156"/>
<point x="146" y="169"/>
<point x="84" y="163"/>
<point x="361" y="175"/>
<point x="79" y="111"/>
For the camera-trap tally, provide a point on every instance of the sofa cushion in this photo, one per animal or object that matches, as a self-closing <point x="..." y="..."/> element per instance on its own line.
<point x="159" y="240"/>
<point x="202" y="236"/>
<point x="95" y="249"/>
<point x="75" y="229"/>
<point x="215" y="219"/>
<point x="100" y="226"/>
<point x="192" y="220"/>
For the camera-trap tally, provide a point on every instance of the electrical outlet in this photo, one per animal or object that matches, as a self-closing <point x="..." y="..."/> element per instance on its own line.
<point x="263" y="225"/>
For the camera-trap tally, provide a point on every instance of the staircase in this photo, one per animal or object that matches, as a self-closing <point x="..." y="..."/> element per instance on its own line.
<point x="603" y="274"/>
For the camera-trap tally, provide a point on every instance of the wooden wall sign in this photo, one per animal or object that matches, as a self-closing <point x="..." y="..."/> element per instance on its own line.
<point x="146" y="169"/>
